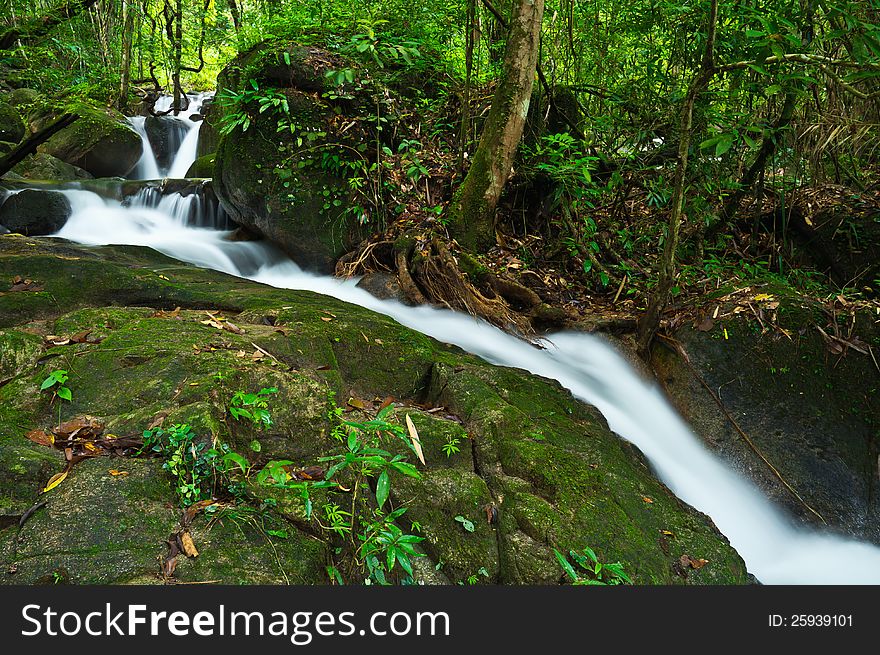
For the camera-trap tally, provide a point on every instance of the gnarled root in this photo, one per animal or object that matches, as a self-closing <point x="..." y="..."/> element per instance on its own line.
<point x="428" y="272"/>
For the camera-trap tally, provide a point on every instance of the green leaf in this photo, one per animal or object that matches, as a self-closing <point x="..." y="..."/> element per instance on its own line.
<point x="566" y="566"/>
<point x="723" y="145"/>
<point x="591" y="554"/>
<point x="238" y="460"/>
<point x="466" y="524"/>
<point x="64" y="392"/>
<point x="287" y="58"/>
<point x="406" y="469"/>
<point x="708" y="143"/>
<point x="383" y="487"/>
<point x="255" y="446"/>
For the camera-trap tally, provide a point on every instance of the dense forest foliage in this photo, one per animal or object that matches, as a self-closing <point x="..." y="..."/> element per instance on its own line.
<point x="667" y="143"/>
<point x="696" y="180"/>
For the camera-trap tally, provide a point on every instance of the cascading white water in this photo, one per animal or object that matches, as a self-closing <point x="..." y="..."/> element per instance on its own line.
<point x="147" y="167"/>
<point x="775" y="550"/>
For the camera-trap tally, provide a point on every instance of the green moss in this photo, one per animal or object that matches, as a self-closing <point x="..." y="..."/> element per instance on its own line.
<point x="545" y="466"/>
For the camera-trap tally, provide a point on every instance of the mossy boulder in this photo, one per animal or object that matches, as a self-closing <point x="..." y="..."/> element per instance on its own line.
<point x="32" y="212"/>
<point x="202" y="167"/>
<point x="42" y="166"/>
<point x="290" y="185"/>
<point x="209" y="132"/>
<point x="12" y="127"/>
<point x="514" y="465"/>
<point x="23" y="98"/>
<point x="809" y="404"/>
<point x="101" y="141"/>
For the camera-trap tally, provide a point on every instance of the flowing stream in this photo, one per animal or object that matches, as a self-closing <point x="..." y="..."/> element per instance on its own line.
<point x="180" y="135"/>
<point x="775" y="549"/>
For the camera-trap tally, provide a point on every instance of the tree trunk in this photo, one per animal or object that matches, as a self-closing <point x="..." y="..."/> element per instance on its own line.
<point x="235" y="13"/>
<point x="473" y="208"/>
<point x="29" y="145"/>
<point x="178" y="54"/>
<point x="650" y="320"/>
<point x="127" y="33"/>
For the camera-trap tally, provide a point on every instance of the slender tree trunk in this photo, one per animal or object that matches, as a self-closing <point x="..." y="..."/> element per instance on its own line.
<point x="473" y="208"/>
<point x="650" y="320"/>
<point x="235" y="13"/>
<point x="128" y="28"/>
<point x="29" y="145"/>
<point x="765" y="153"/>
<point x="465" y="131"/>
<point x="178" y="54"/>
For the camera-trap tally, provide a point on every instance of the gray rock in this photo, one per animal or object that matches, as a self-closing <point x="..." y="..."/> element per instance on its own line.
<point x="35" y="213"/>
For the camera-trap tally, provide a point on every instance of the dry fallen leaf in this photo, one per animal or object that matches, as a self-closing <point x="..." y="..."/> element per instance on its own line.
<point x="414" y="437"/>
<point x="188" y="546"/>
<point x="647" y="500"/>
<point x="117" y="474"/>
<point x="357" y="403"/>
<point x="55" y="480"/>
<point x="41" y="437"/>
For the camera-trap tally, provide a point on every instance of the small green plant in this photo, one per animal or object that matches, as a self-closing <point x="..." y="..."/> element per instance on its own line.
<point x="383" y="544"/>
<point x="57" y="383"/>
<point x="450" y="448"/>
<point x="199" y="470"/>
<point x="253" y="407"/>
<point x="465" y="523"/>
<point x="597" y="573"/>
<point x="475" y="578"/>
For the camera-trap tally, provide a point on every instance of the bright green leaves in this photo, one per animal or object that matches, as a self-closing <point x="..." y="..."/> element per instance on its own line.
<point x="253" y="407"/>
<point x="56" y="381"/>
<point x="597" y="573"/>
<point x="383" y="488"/>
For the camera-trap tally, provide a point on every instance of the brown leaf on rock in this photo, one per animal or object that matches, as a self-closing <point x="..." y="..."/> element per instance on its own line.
<point x="307" y="473"/>
<point x="41" y="437"/>
<point x="163" y="314"/>
<point x="157" y="421"/>
<point x="189" y="548"/>
<point x="414" y="437"/>
<point x="84" y="427"/>
<point x="22" y="284"/>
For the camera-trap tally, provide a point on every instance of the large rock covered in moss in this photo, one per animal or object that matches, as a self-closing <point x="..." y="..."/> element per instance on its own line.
<point x="101" y="141"/>
<point x="43" y="166"/>
<point x="11" y="125"/>
<point x="34" y="213"/>
<point x="514" y="466"/>
<point x="284" y="183"/>
<point x="806" y="407"/>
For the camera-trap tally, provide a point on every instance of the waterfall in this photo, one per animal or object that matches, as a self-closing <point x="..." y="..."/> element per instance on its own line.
<point x="184" y="149"/>
<point x="774" y="547"/>
<point x="147" y="167"/>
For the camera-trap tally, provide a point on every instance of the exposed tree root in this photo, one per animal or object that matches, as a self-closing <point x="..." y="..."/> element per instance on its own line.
<point x="428" y="272"/>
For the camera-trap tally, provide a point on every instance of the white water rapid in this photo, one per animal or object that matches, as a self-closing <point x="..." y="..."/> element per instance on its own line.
<point x="775" y="549"/>
<point x="148" y="167"/>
